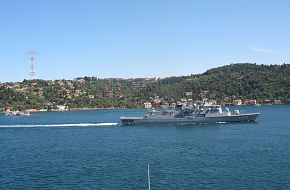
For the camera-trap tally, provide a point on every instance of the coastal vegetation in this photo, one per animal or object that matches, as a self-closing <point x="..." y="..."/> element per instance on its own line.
<point x="223" y="84"/>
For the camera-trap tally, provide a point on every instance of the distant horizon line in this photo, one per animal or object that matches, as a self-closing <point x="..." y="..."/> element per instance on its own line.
<point x="124" y="78"/>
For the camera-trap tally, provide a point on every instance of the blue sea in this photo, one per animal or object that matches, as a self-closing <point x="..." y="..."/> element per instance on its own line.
<point x="91" y="150"/>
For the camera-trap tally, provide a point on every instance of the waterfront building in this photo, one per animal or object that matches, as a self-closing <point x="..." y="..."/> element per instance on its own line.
<point x="237" y="102"/>
<point x="147" y="105"/>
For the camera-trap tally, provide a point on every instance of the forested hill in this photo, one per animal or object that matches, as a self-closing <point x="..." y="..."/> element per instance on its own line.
<point x="245" y="81"/>
<point x="224" y="84"/>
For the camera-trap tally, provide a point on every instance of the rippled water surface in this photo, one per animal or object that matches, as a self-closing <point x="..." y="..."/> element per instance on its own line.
<point x="91" y="150"/>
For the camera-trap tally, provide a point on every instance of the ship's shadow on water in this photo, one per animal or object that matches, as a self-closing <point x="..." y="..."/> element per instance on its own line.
<point x="196" y="125"/>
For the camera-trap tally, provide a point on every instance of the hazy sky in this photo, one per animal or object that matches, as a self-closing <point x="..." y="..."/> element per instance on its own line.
<point x="139" y="38"/>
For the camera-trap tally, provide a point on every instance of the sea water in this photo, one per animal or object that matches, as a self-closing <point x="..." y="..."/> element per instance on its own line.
<point x="91" y="150"/>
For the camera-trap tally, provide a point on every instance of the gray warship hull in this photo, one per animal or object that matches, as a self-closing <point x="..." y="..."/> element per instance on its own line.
<point x="250" y="117"/>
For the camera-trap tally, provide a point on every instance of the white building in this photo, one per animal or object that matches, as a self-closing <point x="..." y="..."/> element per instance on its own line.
<point x="147" y="105"/>
<point x="237" y="102"/>
<point x="61" y="107"/>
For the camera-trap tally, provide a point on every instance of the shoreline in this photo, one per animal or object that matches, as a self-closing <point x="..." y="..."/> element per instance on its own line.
<point x="113" y="108"/>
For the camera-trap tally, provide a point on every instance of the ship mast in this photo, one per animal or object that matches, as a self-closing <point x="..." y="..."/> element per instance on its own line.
<point x="148" y="177"/>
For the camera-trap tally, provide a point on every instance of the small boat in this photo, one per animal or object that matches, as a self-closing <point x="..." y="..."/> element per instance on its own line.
<point x="192" y="114"/>
<point x="17" y="113"/>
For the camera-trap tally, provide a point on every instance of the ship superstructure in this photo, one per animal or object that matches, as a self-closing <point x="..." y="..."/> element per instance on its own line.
<point x="191" y="114"/>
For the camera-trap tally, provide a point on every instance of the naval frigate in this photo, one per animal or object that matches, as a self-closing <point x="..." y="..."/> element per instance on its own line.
<point x="192" y="114"/>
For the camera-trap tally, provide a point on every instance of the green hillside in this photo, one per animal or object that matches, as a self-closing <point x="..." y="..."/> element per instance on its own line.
<point x="224" y="84"/>
<point x="245" y="81"/>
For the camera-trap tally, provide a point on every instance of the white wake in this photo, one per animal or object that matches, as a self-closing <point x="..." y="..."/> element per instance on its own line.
<point x="62" y="125"/>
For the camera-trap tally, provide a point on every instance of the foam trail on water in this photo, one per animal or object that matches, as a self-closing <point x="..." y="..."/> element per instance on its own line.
<point x="62" y="125"/>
